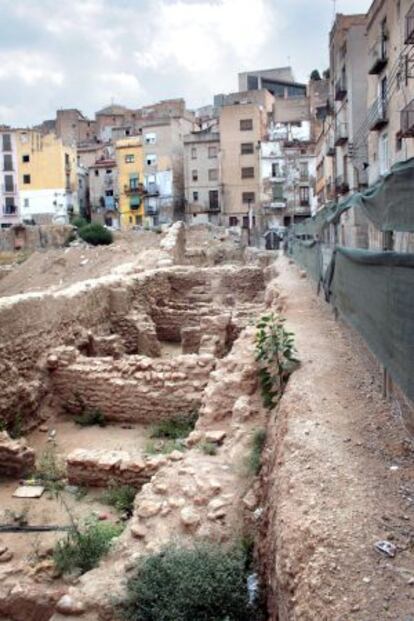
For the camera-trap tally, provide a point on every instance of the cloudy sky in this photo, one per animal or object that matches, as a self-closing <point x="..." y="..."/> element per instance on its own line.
<point x="86" y="53"/>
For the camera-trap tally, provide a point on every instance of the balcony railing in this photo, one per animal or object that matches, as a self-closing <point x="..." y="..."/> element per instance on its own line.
<point x="340" y="89"/>
<point x="11" y="210"/>
<point x="330" y="147"/>
<point x="378" y="114"/>
<point x="304" y="176"/>
<point x="409" y="27"/>
<point x="378" y="56"/>
<point x="341" y="134"/>
<point x="341" y="185"/>
<point x="407" y="121"/>
<point x="134" y="190"/>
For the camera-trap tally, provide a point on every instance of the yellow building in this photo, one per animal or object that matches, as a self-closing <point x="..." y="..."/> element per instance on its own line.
<point x="47" y="177"/>
<point x="130" y="163"/>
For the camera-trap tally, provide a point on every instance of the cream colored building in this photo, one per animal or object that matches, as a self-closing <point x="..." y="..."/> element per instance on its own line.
<point x="242" y="128"/>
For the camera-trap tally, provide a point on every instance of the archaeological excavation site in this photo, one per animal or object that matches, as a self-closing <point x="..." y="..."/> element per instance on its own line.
<point x="189" y="433"/>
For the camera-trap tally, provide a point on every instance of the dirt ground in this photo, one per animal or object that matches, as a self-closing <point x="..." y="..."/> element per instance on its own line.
<point x="341" y="478"/>
<point x="60" y="267"/>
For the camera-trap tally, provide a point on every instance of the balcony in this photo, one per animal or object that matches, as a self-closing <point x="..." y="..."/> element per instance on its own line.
<point x="378" y="56"/>
<point x="330" y="147"/>
<point x="340" y="89"/>
<point x="341" y="185"/>
<point x="407" y="121"/>
<point x="10" y="210"/>
<point x="378" y="114"/>
<point x="134" y="190"/>
<point x="409" y="27"/>
<point x="341" y="134"/>
<point x="152" y="189"/>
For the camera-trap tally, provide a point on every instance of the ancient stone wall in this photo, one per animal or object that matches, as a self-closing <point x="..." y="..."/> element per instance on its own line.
<point x="34" y="237"/>
<point x="136" y="389"/>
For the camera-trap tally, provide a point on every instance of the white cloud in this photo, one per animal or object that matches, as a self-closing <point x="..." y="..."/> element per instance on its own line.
<point x="29" y="67"/>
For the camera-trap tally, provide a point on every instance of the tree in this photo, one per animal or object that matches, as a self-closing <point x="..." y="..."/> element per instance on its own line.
<point x="315" y="75"/>
<point x="327" y="74"/>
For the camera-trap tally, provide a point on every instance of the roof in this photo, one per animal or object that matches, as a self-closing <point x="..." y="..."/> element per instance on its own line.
<point x="113" y="109"/>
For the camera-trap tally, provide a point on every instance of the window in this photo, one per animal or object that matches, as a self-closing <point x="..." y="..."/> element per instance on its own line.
<point x="7" y="142"/>
<point x="246" y="148"/>
<point x="109" y="192"/>
<point x="96" y="172"/>
<point x="133" y="181"/>
<point x="150" y="138"/>
<point x="304" y="170"/>
<point x="108" y="171"/>
<point x="277" y="191"/>
<point x="275" y="169"/>
<point x="26" y="179"/>
<point x="194" y="175"/>
<point x="245" y="222"/>
<point x="193" y="153"/>
<point x="248" y="197"/>
<point x="151" y="159"/>
<point x="67" y="160"/>
<point x="195" y="196"/>
<point x="247" y="173"/>
<point x="129" y="158"/>
<point x="213" y="174"/>
<point x="138" y="220"/>
<point x="246" y="124"/>
<point x="8" y="162"/>
<point x="26" y="203"/>
<point x="233" y="221"/>
<point x="10" y="207"/>
<point x="212" y="152"/>
<point x="8" y="183"/>
<point x="25" y="159"/>
<point x="304" y="196"/>
<point x="213" y="199"/>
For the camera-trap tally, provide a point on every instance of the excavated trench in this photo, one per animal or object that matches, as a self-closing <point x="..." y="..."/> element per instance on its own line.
<point x="140" y="350"/>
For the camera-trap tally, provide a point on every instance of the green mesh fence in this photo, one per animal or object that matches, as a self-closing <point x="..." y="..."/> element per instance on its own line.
<point x="308" y="255"/>
<point x="374" y="292"/>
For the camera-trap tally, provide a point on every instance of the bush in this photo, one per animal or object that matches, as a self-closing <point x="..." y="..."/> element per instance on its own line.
<point x="258" y="442"/>
<point x="90" y="417"/>
<point x="79" y="222"/>
<point x="208" y="448"/>
<point x="164" y="446"/>
<point x="50" y="470"/>
<point x="82" y="550"/>
<point x="121" y="497"/>
<point x="175" y="428"/>
<point x="96" y="234"/>
<point x="205" y="583"/>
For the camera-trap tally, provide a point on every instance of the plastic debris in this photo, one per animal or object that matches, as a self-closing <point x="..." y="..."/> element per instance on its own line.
<point x="386" y="547"/>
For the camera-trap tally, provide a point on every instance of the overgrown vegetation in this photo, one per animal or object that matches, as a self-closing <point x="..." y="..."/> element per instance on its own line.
<point x="82" y="549"/>
<point x="79" y="222"/>
<point x="204" y="583"/>
<point x="121" y="497"/>
<point x="96" y="234"/>
<point x="89" y="417"/>
<point x="208" y="448"/>
<point x="50" y="470"/>
<point x="154" y="447"/>
<point x="14" y="428"/>
<point x="254" y="460"/>
<point x="275" y="352"/>
<point x="175" y="428"/>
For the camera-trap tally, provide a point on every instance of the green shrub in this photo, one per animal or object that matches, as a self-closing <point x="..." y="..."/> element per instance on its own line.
<point x="258" y="442"/>
<point x="164" y="446"/>
<point x="79" y="222"/>
<point x="121" y="497"/>
<point x="175" y="428"/>
<point x="50" y="470"/>
<point x="205" y="583"/>
<point x="81" y="550"/>
<point x="208" y="448"/>
<point x="96" y="234"/>
<point x="90" y="417"/>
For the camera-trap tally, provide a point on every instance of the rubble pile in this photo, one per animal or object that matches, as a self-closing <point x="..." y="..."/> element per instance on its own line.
<point x="16" y="458"/>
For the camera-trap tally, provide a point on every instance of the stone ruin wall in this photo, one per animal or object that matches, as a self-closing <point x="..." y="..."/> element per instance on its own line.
<point x="138" y="310"/>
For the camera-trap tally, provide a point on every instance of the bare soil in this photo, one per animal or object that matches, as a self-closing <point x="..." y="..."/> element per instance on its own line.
<point x="341" y="477"/>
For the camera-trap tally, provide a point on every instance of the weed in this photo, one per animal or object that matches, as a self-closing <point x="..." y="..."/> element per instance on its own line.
<point x="254" y="460"/>
<point x="275" y="352"/>
<point x="207" y="583"/>
<point x="208" y="448"/>
<point x="82" y="549"/>
<point x="121" y="497"/>
<point x="175" y="428"/>
<point x="154" y="447"/>
<point x="89" y="417"/>
<point x="50" y="470"/>
<point x="80" y="493"/>
<point x="16" y="428"/>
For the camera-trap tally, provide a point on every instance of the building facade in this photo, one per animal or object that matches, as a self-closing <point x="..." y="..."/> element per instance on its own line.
<point x="202" y="176"/>
<point x="9" y="180"/>
<point x="130" y="165"/>
<point x="104" y="192"/>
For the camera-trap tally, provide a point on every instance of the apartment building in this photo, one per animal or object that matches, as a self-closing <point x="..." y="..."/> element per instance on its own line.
<point x="130" y="165"/>
<point x="73" y="127"/>
<point x="242" y="128"/>
<point x="47" y="178"/>
<point x="202" y="176"/>
<point x="104" y="192"/>
<point x="163" y="149"/>
<point x="9" y="186"/>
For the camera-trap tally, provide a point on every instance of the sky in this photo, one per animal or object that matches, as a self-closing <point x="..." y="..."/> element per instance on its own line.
<point x="86" y="54"/>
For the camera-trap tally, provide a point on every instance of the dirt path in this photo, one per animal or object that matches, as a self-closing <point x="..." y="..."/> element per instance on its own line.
<point x="340" y="479"/>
